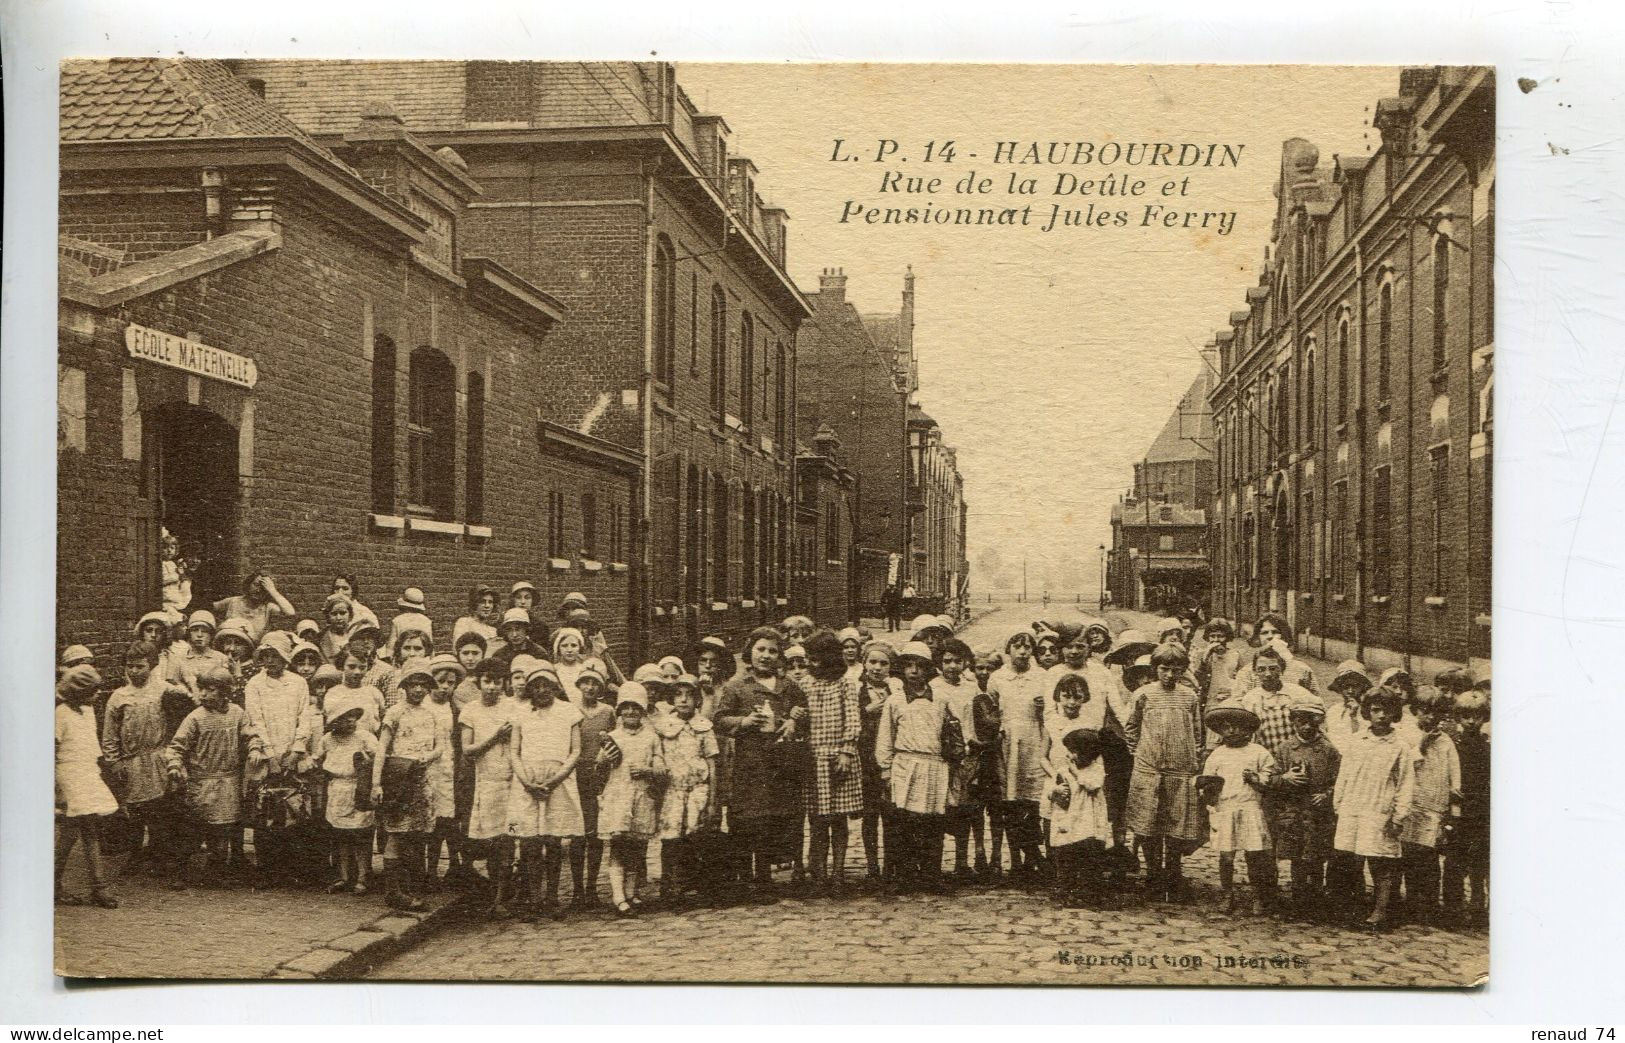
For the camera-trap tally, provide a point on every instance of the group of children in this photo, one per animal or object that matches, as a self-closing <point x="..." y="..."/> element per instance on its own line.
<point x="526" y="749"/>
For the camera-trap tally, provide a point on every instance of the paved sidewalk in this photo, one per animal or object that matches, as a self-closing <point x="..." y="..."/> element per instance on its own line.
<point x="229" y="932"/>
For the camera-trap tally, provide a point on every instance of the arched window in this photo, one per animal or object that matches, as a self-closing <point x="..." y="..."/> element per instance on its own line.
<point x="1343" y="371"/>
<point x="665" y="304"/>
<point x="1308" y="412"/>
<point x="383" y="425"/>
<point x="1283" y="409"/>
<point x="747" y="368"/>
<point x="1441" y="292"/>
<point x="1385" y="332"/>
<point x="719" y="352"/>
<point x="431" y="436"/>
<point x="747" y="544"/>
<point x="719" y="538"/>
<point x="474" y="452"/>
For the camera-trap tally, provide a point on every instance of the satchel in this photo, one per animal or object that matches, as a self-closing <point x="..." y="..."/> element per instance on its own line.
<point x="363" y="781"/>
<point x="402" y="783"/>
<point x="953" y="738"/>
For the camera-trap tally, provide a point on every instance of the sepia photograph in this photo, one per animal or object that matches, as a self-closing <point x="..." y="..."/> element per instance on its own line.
<point x="798" y="523"/>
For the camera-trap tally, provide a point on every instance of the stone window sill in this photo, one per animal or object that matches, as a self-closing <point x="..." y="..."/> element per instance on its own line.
<point x="559" y="564"/>
<point x="619" y="566"/>
<point x="388" y="522"/>
<point x="1307" y="595"/>
<point x="1380" y="599"/>
<point x="1436" y="601"/>
<point x="781" y="602"/>
<point x="591" y="565"/>
<point x="1482" y="619"/>
<point x="1338" y="599"/>
<point x="479" y="532"/>
<point x="719" y="606"/>
<point x="436" y="528"/>
<point x="398" y="524"/>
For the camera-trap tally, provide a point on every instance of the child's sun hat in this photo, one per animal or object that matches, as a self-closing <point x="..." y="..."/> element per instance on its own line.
<point x="1131" y="645"/>
<point x="1350" y="671"/>
<point x="516" y="615"/>
<point x="413" y="670"/>
<point x="201" y="618"/>
<point x="446" y="661"/>
<point x="353" y="714"/>
<point x="1229" y="713"/>
<point x="634" y="694"/>
<point x="74" y="655"/>
<point x="1307" y="704"/>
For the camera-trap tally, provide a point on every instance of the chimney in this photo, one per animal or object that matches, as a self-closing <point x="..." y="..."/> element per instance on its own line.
<point x="905" y="326"/>
<point x="825" y="442"/>
<point x="832" y="285"/>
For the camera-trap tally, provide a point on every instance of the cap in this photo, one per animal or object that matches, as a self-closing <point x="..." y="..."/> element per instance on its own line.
<point x="593" y="667"/>
<point x="925" y="622"/>
<point x="415" y="669"/>
<point x="797" y="652"/>
<point x="411" y="600"/>
<point x="542" y="669"/>
<point x="946" y="622"/>
<point x="278" y="641"/>
<point x="516" y="615"/>
<point x="575" y="597"/>
<point x="672" y="660"/>
<point x="233" y="628"/>
<point x="915" y="650"/>
<point x="447" y="661"/>
<point x="300" y="647"/>
<point x="561" y="633"/>
<point x="523" y="584"/>
<point x="153" y="617"/>
<point x="359" y="627"/>
<point x="201" y="618"/>
<point x="1167" y="623"/>
<point x="1351" y="670"/>
<point x="307" y="626"/>
<point x="634" y="693"/>
<point x="74" y="655"/>
<point x="648" y="673"/>
<point x="81" y="678"/>
<point x="327" y="673"/>
<point x="849" y="634"/>
<point x="1308" y="704"/>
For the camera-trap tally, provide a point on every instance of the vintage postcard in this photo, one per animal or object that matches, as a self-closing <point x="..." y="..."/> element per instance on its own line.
<point x="638" y="522"/>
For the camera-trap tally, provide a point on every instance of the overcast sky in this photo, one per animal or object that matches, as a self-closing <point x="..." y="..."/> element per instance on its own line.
<point x="1051" y="360"/>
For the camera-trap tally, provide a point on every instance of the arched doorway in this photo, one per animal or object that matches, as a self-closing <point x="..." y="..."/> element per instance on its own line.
<point x="190" y="469"/>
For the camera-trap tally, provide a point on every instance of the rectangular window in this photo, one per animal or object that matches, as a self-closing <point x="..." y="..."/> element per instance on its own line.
<point x="1439" y="497"/>
<point x="1340" y="530"/>
<point x="1382" y="564"/>
<point x="832" y="532"/>
<point x="617" y="534"/>
<point x="555" y="525"/>
<point x="747" y="543"/>
<point x="1165" y="543"/>
<point x="747" y="369"/>
<point x="474" y="452"/>
<point x="719" y="539"/>
<point x="781" y="399"/>
<point x="589" y="526"/>
<point x="383" y="425"/>
<point x="694" y="324"/>
<point x="719" y="352"/>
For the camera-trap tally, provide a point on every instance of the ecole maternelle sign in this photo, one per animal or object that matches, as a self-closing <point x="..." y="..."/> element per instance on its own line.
<point x="166" y="349"/>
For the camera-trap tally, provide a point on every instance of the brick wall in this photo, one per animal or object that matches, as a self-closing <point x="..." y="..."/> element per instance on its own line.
<point x="304" y="312"/>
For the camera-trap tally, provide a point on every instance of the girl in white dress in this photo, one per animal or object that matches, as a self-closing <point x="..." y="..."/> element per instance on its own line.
<point x="1021" y="688"/>
<point x="544" y="807"/>
<point x="628" y="812"/>
<point x="345" y="751"/>
<point x="486" y="726"/>
<point x="82" y="798"/>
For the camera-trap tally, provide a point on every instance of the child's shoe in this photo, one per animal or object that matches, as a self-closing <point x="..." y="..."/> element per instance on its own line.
<point x="102" y="897"/>
<point x="338" y="887"/>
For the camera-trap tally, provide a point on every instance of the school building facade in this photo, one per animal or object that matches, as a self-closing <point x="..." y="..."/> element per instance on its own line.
<point x="608" y="189"/>
<point x="1354" y="402"/>
<point x="289" y="356"/>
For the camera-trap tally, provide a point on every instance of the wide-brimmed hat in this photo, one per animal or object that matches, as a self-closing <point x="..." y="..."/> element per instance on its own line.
<point x="516" y="615"/>
<point x="447" y="661"/>
<point x="353" y="714"/>
<point x="1140" y="669"/>
<point x="945" y="621"/>
<point x="201" y="618"/>
<point x="412" y="600"/>
<point x="73" y="655"/>
<point x="1229" y="713"/>
<point x="542" y="669"/>
<point x="81" y="678"/>
<point x="232" y="628"/>
<point x="355" y="629"/>
<point x="575" y="597"/>
<point x="634" y="693"/>
<point x="278" y="641"/>
<point x="1131" y="645"/>
<point x="926" y="621"/>
<point x="1351" y="670"/>
<point x="413" y="669"/>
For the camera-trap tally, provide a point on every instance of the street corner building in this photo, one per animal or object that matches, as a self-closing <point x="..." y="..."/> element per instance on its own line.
<point x="1353" y="401"/>
<point x="858" y="380"/>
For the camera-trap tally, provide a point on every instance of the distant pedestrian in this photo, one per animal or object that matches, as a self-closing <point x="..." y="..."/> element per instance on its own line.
<point x="891" y="606"/>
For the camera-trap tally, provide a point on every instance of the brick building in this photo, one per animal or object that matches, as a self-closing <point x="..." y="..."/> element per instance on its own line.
<point x="936" y="503"/>
<point x="1353" y="408"/>
<point x="848" y="382"/>
<point x="821" y="584"/>
<point x="290" y="356"/>
<point x="1158" y="559"/>
<point x="605" y="187"/>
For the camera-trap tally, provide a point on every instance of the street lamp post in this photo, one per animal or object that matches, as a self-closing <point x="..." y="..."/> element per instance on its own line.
<point x="1102" y="600"/>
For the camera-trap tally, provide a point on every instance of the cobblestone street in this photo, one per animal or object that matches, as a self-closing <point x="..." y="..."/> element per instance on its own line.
<point x="977" y="936"/>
